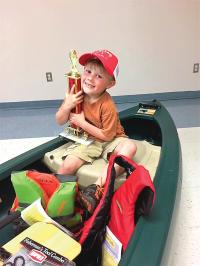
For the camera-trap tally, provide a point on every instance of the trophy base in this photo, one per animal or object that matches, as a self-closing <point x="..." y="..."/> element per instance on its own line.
<point x="76" y="135"/>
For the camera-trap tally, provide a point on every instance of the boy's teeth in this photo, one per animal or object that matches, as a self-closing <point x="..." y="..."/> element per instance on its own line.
<point x="88" y="85"/>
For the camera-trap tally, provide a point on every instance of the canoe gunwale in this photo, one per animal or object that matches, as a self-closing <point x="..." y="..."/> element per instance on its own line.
<point x="148" y="241"/>
<point x="28" y="157"/>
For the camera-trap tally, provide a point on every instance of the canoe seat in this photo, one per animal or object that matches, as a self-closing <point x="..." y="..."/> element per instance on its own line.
<point x="147" y="155"/>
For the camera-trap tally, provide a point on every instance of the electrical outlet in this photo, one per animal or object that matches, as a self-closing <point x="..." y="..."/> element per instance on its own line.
<point x="196" y="68"/>
<point x="49" y="76"/>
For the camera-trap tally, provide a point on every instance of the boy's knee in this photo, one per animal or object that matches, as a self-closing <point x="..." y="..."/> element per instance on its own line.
<point x="131" y="148"/>
<point x="66" y="170"/>
<point x="128" y="148"/>
<point x="130" y="144"/>
<point x="69" y="167"/>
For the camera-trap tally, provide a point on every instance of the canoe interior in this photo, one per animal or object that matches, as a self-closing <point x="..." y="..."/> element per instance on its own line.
<point x="143" y="129"/>
<point x="137" y="128"/>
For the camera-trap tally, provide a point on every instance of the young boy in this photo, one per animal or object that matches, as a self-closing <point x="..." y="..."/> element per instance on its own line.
<point x="99" y="120"/>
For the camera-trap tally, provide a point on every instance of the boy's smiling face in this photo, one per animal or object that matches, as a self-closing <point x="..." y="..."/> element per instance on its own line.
<point x="95" y="80"/>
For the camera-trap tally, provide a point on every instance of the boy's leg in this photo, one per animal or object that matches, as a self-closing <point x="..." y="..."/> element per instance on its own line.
<point x="70" y="165"/>
<point x="77" y="155"/>
<point x="73" y="162"/>
<point x="91" y="195"/>
<point x="127" y="148"/>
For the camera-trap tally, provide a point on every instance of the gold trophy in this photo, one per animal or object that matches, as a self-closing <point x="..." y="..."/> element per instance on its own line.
<point x="74" y="78"/>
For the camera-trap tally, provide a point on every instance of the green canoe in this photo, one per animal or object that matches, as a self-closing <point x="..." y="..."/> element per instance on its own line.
<point x="149" y="122"/>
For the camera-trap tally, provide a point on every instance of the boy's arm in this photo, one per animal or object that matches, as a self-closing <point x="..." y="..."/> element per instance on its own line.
<point x="62" y="115"/>
<point x="95" y="131"/>
<point x="70" y="101"/>
<point x="79" y="120"/>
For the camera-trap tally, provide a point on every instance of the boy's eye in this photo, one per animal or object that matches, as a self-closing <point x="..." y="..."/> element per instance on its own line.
<point x="99" y="76"/>
<point x="87" y="71"/>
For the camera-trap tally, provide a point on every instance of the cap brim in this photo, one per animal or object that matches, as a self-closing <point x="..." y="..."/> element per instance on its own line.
<point x="85" y="57"/>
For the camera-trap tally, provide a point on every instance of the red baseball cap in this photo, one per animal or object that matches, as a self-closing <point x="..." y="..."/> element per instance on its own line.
<point x="108" y="59"/>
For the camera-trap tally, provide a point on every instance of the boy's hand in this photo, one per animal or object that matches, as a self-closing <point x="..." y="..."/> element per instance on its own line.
<point x="77" y="119"/>
<point x="72" y="99"/>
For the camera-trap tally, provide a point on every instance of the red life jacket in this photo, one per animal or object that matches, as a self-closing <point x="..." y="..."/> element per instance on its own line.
<point x="135" y="197"/>
<point x="138" y="188"/>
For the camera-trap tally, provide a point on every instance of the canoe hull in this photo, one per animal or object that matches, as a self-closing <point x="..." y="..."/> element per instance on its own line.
<point x="151" y="232"/>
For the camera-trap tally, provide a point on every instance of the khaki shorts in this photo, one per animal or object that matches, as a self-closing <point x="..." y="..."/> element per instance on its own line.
<point x="91" y="152"/>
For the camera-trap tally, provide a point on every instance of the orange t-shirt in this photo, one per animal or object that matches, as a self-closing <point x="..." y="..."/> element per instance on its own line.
<point x="104" y="115"/>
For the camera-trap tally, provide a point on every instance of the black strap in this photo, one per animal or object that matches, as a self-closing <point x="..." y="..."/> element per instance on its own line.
<point x="62" y="219"/>
<point x="23" y="205"/>
<point x="123" y="163"/>
<point x="66" y="178"/>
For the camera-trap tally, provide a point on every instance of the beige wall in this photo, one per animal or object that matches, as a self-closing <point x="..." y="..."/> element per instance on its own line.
<point x="157" y="42"/>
